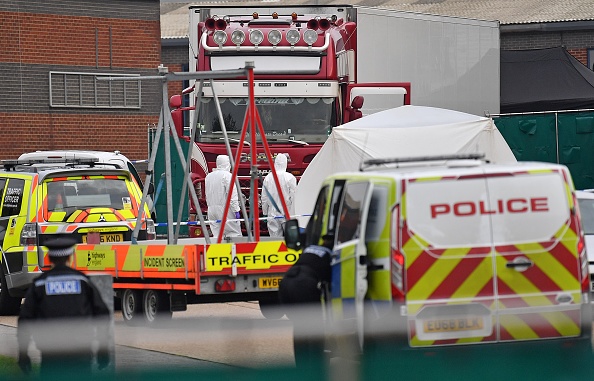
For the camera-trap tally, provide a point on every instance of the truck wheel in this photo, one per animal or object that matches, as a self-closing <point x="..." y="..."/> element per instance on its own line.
<point x="9" y="305"/>
<point x="131" y="307"/>
<point x="271" y="309"/>
<point x="155" y="306"/>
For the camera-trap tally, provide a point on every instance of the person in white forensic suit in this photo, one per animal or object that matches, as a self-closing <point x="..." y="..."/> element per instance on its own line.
<point x="217" y="184"/>
<point x="271" y="204"/>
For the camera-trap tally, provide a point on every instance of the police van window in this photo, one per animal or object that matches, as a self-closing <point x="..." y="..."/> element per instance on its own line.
<point x="13" y="197"/>
<point x="376" y="217"/>
<point x="314" y="226"/>
<point x="350" y="212"/>
<point x="2" y="184"/>
<point x="335" y="206"/>
<point x="134" y="173"/>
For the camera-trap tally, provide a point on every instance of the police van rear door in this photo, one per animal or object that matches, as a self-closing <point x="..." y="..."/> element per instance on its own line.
<point x="349" y="262"/>
<point x="445" y="240"/>
<point x="536" y="234"/>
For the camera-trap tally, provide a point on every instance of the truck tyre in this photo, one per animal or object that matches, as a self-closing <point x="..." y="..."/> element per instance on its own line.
<point x="132" y="307"/>
<point x="9" y="305"/>
<point x="271" y="309"/>
<point x="155" y="307"/>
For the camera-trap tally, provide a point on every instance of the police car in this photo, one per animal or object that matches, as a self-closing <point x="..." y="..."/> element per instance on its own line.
<point x="44" y="197"/>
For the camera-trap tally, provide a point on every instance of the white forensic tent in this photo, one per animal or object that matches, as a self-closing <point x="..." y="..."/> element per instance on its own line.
<point x="405" y="131"/>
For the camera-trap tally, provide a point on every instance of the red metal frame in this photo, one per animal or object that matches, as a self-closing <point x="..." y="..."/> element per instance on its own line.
<point x="252" y="120"/>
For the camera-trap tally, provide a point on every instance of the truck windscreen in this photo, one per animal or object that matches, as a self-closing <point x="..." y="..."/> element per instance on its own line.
<point x="306" y="119"/>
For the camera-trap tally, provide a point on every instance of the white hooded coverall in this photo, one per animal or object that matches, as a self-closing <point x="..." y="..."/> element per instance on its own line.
<point x="217" y="184"/>
<point x="288" y="184"/>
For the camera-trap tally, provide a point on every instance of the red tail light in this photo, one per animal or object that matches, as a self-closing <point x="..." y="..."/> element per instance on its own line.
<point x="397" y="258"/>
<point x="313" y="24"/>
<point x="29" y="234"/>
<point x="581" y="248"/>
<point x="225" y="285"/>
<point x="151" y="233"/>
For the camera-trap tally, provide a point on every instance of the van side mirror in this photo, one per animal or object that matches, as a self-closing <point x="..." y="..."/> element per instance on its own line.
<point x="151" y="189"/>
<point x="293" y="236"/>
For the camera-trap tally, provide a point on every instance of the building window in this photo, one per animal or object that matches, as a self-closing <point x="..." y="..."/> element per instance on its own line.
<point x="591" y="59"/>
<point x="85" y="90"/>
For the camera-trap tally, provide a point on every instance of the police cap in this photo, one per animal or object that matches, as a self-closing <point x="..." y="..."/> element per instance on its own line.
<point x="60" y="247"/>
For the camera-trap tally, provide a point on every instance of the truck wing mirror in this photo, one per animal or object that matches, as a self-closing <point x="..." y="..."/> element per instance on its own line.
<point x="357" y="102"/>
<point x="355" y="109"/>
<point x="293" y="235"/>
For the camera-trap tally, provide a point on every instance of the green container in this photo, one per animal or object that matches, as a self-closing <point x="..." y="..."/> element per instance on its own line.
<point x="557" y="137"/>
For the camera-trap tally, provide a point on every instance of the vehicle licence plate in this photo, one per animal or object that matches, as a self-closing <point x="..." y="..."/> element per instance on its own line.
<point x="107" y="238"/>
<point x="453" y="325"/>
<point x="269" y="282"/>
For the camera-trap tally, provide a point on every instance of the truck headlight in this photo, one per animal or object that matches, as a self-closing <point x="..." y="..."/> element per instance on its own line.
<point x="237" y="37"/>
<point x="256" y="36"/>
<point x="274" y="37"/>
<point x="293" y="36"/>
<point x="219" y="37"/>
<point x="310" y="36"/>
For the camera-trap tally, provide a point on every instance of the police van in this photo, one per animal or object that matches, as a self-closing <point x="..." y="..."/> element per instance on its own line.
<point x="452" y="250"/>
<point x="44" y="197"/>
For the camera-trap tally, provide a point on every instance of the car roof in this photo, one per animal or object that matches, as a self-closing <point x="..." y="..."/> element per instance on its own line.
<point x="585" y="194"/>
<point x="45" y="169"/>
<point x="80" y="154"/>
<point x="459" y="167"/>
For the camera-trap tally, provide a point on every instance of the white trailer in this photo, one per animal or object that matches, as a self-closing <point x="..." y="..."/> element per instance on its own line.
<point x="451" y="62"/>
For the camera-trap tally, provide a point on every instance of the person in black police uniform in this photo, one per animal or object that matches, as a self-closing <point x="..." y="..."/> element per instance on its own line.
<point x="63" y="313"/>
<point x="301" y="290"/>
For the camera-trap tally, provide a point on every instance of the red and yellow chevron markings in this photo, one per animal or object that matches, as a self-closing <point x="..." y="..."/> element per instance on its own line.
<point x="138" y="260"/>
<point x="261" y="255"/>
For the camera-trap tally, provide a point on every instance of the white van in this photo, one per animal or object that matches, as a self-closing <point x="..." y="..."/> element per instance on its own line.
<point x="451" y="250"/>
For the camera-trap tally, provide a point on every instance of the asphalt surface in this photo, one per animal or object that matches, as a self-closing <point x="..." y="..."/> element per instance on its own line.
<point x="126" y="358"/>
<point x="219" y="336"/>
